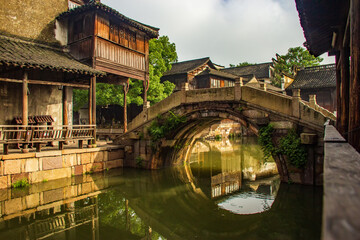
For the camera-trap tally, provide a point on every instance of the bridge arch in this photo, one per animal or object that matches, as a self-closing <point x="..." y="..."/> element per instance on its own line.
<point x="251" y="107"/>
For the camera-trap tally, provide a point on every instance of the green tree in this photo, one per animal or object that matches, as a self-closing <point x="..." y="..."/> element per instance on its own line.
<point x="242" y="64"/>
<point x="295" y="58"/>
<point x="162" y="54"/>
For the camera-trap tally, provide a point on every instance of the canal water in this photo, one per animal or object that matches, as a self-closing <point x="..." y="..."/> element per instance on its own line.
<point x="226" y="190"/>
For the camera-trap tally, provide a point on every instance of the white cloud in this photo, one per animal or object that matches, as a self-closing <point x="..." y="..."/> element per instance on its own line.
<point x="227" y="31"/>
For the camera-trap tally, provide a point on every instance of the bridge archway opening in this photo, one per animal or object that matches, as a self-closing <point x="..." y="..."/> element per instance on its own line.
<point x="197" y="124"/>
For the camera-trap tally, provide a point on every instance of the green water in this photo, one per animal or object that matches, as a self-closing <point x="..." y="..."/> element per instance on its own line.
<point x="226" y="191"/>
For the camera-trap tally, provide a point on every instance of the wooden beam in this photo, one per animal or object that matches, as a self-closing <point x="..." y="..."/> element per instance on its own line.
<point x="39" y="82"/>
<point x="354" y="105"/>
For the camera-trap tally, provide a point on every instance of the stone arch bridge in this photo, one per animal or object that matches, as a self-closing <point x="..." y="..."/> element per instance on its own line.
<point x="252" y="107"/>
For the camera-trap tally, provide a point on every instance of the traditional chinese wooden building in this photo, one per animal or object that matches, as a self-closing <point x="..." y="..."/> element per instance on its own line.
<point x="334" y="27"/>
<point x="192" y="72"/>
<point x="262" y="71"/>
<point x="319" y="81"/>
<point x="50" y="50"/>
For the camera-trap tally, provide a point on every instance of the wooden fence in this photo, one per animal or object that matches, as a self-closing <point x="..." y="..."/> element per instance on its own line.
<point x="38" y="134"/>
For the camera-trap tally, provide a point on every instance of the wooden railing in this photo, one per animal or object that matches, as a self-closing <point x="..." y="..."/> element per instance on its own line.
<point x="37" y="134"/>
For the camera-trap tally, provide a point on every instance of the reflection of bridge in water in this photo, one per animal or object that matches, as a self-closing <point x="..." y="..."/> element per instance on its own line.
<point x="138" y="205"/>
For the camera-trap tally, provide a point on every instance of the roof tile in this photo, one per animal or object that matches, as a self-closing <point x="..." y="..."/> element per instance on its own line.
<point x="315" y="77"/>
<point x="25" y="53"/>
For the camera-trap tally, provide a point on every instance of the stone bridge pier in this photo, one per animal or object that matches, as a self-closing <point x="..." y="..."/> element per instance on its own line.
<point x="253" y="108"/>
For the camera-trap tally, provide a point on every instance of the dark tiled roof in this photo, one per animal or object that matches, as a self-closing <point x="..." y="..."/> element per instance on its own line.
<point x="315" y="77"/>
<point x="187" y="66"/>
<point x="151" y="31"/>
<point x="28" y="54"/>
<point x="259" y="70"/>
<point x="318" y="20"/>
<point x="218" y="73"/>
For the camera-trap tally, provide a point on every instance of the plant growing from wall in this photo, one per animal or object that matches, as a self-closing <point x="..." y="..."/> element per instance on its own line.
<point x="139" y="161"/>
<point x="289" y="145"/>
<point x="163" y="126"/>
<point x="21" y="183"/>
<point x="265" y="141"/>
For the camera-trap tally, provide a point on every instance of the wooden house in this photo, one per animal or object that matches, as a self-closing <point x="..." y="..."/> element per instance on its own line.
<point x="262" y="71"/>
<point x="334" y="27"/>
<point x="256" y="75"/>
<point x="319" y="81"/>
<point x="106" y="40"/>
<point x="198" y="73"/>
<point x="47" y="52"/>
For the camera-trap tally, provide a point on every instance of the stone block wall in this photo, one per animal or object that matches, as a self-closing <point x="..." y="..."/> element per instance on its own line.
<point x="51" y="165"/>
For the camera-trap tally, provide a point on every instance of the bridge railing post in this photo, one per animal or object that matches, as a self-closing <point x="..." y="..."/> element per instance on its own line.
<point x="185" y="86"/>
<point x="296" y="102"/>
<point x="312" y="100"/>
<point x="263" y="85"/>
<point x="238" y="85"/>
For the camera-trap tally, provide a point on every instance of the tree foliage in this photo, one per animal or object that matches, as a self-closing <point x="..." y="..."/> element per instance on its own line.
<point x="295" y="58"/>
<point x="162" y="54"/>
<point x="242" y="64"/>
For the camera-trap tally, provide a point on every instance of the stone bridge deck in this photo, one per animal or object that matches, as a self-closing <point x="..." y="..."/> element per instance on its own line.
<point x="290" y="108"/>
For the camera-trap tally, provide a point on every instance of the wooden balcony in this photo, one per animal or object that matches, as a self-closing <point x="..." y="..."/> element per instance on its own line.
<point x="40" y="134"/>
<point x="116" y="59"/>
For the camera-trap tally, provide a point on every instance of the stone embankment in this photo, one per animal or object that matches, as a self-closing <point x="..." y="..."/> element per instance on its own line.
<point x="50" y="165"/>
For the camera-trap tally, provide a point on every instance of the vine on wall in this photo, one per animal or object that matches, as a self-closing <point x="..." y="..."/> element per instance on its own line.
<point x="162" y="126"/>
<point x="289" y="145"/>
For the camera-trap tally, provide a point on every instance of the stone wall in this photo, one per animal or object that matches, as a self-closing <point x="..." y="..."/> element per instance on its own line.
<point x="51" y="165"/>
<point x="43" y="100"/>
<point x="33" y="19"/>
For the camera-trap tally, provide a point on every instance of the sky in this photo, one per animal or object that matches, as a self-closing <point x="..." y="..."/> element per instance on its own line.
<point x="227" y="31"/>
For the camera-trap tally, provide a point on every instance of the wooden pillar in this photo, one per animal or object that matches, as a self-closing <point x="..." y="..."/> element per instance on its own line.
<point x="93" y="115"/>
<point x="344" y="92"/>
<point x="126" y="89"/>
<point x="338" y="92"/>
<point x="146" y="88"/>
<point x="65" y="104"/>
<point x="90" y="102"/>
<point x="25" y="112"/>
<point x="354" y="104"/>
<point x="25" y="109"/>
<point x="93" y="102"/>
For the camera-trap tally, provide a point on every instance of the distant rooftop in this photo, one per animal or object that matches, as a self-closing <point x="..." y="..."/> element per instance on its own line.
<point x="218" y="73"/>
<point x="187" y="66"/>
<point x="259" y="70"/>
<point x="315" y="77"/>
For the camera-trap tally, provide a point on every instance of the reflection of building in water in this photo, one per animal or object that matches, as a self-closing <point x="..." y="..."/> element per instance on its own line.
<point x="225" y="183"/>
<point x="57" y="221"/>
<point x="226" y="164"/>
<point x="49" y="211"/>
